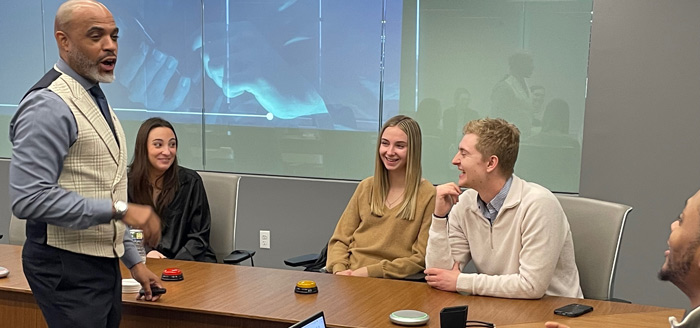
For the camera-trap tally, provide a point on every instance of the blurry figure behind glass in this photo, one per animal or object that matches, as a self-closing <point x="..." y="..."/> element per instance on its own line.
<point x="510" y="97"/>
<point x="454" y="118"/>
<point x="537" y="92"/>
<point x="552" y="156"/>
<point x="555" y="127"/>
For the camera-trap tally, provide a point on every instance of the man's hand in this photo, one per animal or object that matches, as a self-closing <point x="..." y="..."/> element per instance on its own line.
<point x="147" y="279"/>
<point x="446" y="195"/>
<point x="347" y="272"/>
<point x="552" y="324"/>
<point x="443" y="279"/>
<point x="154" y="254"/>
<point x="145" y="218"/>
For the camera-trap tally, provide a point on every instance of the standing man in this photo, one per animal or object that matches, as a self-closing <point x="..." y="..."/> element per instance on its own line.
<point x="538" y="93"/>
<point x="511" y="98"/>
<point x="515" y="232"/>
<point x="68" y="179"/>
<point x="682" y="265"/>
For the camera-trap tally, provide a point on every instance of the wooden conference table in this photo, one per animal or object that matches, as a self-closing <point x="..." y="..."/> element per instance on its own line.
<point x="218" y="295"/>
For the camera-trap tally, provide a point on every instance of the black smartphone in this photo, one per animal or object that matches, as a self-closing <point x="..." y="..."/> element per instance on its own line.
<point x="155" y="291"/>
<point x="573" y="310"/>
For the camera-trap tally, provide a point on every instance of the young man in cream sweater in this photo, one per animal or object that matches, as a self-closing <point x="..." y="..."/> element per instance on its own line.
<point x="515" y="232"/>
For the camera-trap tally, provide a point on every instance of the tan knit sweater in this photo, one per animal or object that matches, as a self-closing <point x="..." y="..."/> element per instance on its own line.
<point x="388" y="246"/>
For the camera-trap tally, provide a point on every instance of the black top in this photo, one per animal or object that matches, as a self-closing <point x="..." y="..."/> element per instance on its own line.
<point x="187" y="221"/>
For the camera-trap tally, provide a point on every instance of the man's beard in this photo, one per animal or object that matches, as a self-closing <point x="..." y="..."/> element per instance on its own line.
<point x="678" y="269"/>
<point x="88" y="69"/>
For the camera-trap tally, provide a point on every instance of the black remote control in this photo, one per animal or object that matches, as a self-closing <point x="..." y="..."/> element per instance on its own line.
<point x="155" y="291"/>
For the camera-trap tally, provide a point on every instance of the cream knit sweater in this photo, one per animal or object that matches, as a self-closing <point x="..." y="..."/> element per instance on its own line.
<point x="527" y="253"/>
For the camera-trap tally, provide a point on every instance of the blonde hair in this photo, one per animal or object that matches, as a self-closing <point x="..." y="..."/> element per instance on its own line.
<point x="380" y="189"/>
<point x="496" y="137"/>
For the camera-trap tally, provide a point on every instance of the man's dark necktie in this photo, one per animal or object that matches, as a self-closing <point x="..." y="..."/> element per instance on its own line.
<point x="99" y="96"/>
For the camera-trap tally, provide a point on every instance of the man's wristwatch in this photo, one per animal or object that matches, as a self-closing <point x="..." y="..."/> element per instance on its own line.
<point x="120" y="208"/>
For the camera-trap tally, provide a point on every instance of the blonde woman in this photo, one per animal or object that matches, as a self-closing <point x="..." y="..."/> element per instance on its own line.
<point x="383" y="231"/>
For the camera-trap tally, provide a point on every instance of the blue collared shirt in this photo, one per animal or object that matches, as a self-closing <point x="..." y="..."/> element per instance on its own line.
<point x="490" y="210"/>
<point x="41" y="136"/>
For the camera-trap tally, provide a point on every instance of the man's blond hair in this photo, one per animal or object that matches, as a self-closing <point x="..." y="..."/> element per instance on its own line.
<point x="496" y="137"/>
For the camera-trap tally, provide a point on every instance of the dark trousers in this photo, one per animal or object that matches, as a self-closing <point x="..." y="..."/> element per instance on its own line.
<point x="73" y="290"/>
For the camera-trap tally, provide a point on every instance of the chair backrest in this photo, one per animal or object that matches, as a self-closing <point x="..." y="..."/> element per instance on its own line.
<point x="222" y="189"/>
<point x="596" y="228"/>
<point x="17" y="230"/>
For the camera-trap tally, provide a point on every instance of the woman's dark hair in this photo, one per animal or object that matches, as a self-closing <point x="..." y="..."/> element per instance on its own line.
<point x="140" y="188"/>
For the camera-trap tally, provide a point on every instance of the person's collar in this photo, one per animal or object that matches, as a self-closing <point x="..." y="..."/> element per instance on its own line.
<point x="66" y="69"/>
<point x="497" y="202"/>
<point x="690" y="319"/>
<point x="500" y="198"/>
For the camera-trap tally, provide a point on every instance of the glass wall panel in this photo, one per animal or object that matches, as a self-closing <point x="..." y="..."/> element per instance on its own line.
<point x="293" y="87"/>
<point x="524" y="61"/>
<point x="21" y="57"/>
<point x="301" y="88"/>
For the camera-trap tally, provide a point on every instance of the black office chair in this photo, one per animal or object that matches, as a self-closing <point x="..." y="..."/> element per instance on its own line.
<point x="239" y="256"/>
<point x="310" y="262"/>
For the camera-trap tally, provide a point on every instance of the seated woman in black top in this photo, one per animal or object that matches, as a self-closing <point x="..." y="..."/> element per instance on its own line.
<point x="175" y="192"/>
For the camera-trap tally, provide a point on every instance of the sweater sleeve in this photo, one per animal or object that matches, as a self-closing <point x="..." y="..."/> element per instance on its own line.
<point x="339" y="244"/>
<point x="543" y="230"/>
<point x="437" y="254"/>
<point x="404" y="266"/>
<point x="448" y="242"/>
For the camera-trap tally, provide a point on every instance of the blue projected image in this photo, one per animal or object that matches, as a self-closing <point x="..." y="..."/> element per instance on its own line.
<point x="297" y="77"/>
<point x="287" y="63"/>
<point x="267" y="50"/>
